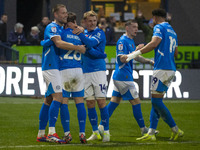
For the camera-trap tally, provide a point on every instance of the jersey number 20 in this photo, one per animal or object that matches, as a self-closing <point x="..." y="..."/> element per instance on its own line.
<point x="66" y="56"/>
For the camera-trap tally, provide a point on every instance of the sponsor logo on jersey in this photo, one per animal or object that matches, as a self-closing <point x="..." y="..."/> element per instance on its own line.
<point x="120" y="47"/>
<point x="53" y="29"/>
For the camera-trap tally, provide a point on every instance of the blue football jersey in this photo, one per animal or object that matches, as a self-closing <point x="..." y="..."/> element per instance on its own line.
<point x="94" y="39"/>
<point x="70" y="59"/>
<point x="50" y="54"/>
<point x="124" y="71"/>
<point x="164" y="52"/>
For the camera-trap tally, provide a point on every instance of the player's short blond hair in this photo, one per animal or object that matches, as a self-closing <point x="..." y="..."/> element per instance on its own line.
<point x="57" y="7"/>
<point x="88" y="14"/>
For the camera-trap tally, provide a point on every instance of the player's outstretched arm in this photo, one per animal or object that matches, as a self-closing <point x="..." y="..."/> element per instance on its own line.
<point x="67" y="46"/>
<point x="155" y="41"/>
<point x="95" y="54"/>
<point x="144" y="60"/>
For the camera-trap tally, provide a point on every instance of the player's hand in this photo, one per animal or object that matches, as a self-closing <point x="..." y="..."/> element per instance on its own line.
<point x="124" y="58"/>
<point x="133" y="55"/>
<point x="152" y="62"/>
<point x="81" y="49"/>
<point x="139" y="46"/>
<point x="78" y="30"/>
<point x="72" y="25"/>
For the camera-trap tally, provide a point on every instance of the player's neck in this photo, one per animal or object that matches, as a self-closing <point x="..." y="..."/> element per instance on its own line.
<point x="160" y="21"/>
<point x="129" y="35"/>
<point x="57" y="22"/>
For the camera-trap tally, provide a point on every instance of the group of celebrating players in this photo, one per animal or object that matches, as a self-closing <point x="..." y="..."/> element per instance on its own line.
<point x="73" y="65"/>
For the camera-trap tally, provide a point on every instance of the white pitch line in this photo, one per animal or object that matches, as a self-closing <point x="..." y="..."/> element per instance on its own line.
<point x="104" y="144"/>
<point x="72" y="102"/>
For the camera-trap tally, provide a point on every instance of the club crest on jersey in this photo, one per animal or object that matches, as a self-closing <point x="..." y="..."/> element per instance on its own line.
<point x="120" y="47"/>
<point x="53" y="29"/>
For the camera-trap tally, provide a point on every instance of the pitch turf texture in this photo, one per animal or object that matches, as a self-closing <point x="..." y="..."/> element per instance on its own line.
<point x="19" y="127"/>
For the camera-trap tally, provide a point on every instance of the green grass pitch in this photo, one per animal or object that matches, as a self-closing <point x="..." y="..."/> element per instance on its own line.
<point x="19" y="127"/>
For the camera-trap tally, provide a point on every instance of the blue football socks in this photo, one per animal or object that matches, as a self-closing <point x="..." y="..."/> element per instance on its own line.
<point x="53" y="113"/>
<point x="154" y="118"/>
<point x="138" y="115"/>
<point x="92" y="114"/>
<point x="111" y="107"/>
<point x="105" y="117"/>
<point x="163" y="111"/>
<point x="81" y="114"/>
<point x="43" y="116"/>
<point x="65" y="117"/>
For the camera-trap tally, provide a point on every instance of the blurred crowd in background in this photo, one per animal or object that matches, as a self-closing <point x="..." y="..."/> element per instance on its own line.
<point x="36" y="34"/>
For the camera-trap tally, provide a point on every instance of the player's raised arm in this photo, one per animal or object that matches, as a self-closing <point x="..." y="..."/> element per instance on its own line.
<point x="67" y="46"/>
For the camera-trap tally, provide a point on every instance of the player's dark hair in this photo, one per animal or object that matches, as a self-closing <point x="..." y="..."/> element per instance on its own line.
<point x="159" y="12"/>
<point x="57" y="7"/>
<point x="129" y="22"/>
<point x="71" y="17"/>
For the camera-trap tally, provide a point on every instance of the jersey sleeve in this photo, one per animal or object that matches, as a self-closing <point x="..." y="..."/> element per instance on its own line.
<point x="46" y="43"/>
<point x="157" y="32"/>
<point x="121" y="48"/>
<point x="94" y="40"/>
<point x="95" y="54"/>
<point x="53" y="31"/>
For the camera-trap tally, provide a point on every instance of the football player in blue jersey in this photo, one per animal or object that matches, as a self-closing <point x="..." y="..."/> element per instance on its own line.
<point x="124" y="87"/>
<point x="51" y="74"/>
<point x="95" y="75"/>
<point x="72" y="81"/>
<point x="165" y="45"/>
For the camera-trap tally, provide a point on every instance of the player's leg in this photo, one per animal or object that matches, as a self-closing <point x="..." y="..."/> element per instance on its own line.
<point x="104" y="118"/>
<point x="54" y="88"/>
<point x="81" y="114"/>
<point x="64" y="111"/>
<point x="114" y="102"/>
<point x="65" y="118"/>
<point x="158" y="89"/>
<point x="137" y="113"/>
<point x="77" y="91"/>
<point x="99" y="84"/>
<point x="43" y="119"/>
<point x="92" y="115"/>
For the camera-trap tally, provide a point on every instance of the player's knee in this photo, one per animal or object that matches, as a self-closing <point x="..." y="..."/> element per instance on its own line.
<point x="48" y="100"/>
<point x="116" y="99"/>
<point x="65" y="100"/>
<point x="101" y="102"/>
<point x="78" y="100"/>
<point x="57" y="97"/>
<point x="89" y="98"/>
<point x="90" y="103"/>
<point x="135" y="101"/>
<point x="157" y="94"/>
